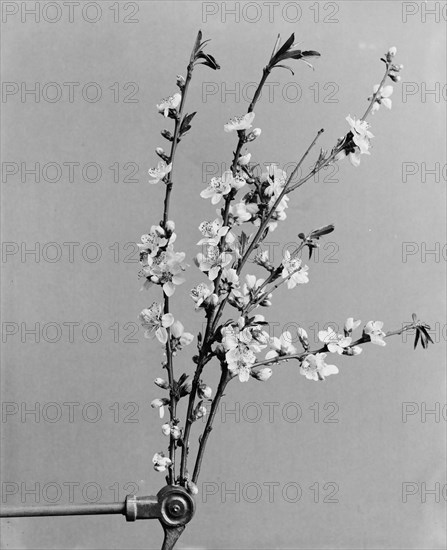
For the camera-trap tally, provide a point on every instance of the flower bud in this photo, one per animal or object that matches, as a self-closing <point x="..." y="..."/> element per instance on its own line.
<point x="160" y="404"/>
<point x="244" y="159"/>
<point x="392" y="51"/>
<point x="356" y="350"/>
<point x="303" y="338"/>
<point x="170" y="226"/>
<point x="167" y="134"/>
<point x="254" y="134"/>
<point x="205" y="391"/>
<point x="199" y="412"/>
<point x="262" y="374"/>
<point x="176" y="432"/>
<point x="395" y="77"/>
<point x="192" y="488"/>
<point x="180" y="81"/>
<point x="166" y="429"/>
<point x="161" y="383"/>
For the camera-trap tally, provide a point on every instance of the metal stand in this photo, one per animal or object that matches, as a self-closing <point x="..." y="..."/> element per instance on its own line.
<point x="173" y="506"/>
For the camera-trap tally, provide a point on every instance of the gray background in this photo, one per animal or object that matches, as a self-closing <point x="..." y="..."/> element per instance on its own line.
<point x="370" y="452"/>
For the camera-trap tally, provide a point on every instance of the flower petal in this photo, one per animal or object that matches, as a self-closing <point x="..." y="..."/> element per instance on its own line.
<point x="167" y="320"/>
<point x="162" y="335"/>
<point x="169" y="289"/>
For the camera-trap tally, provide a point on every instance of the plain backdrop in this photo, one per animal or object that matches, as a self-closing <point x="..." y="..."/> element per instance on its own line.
<point x="348" y="463"/>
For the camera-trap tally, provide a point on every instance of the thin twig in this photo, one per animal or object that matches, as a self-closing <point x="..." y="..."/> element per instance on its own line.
<point x="376" y="94"/>
<point x="262" y="295"/>
<point x="301" y="356"/>
<point x="335" y="152"/>
<point x="224" y="379"/>
<point x="169" y="360"/>
<point x="213" y="316"/>
<point x="263" y="225"/>
<point x="208" y="336"/>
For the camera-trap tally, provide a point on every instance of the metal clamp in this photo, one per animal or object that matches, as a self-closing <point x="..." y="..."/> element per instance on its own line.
<point x="173" y="506"/>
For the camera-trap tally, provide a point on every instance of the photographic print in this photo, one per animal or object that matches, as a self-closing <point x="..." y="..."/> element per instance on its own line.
<point x="223" y="275"/>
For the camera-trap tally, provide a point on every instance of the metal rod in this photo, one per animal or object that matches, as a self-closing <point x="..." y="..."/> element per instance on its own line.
<point x="64" y="510"/>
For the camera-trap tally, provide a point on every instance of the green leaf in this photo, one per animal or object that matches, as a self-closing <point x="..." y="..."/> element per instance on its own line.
<point x="325" y="230"/>
<point x="283" y="49"/>
<point x="285" y="67"/>
<point x="298" y="54"/>
<point x="187" y="118"/>
<point x="243" y="239"/>
<point x="209" y="60"/>
<point x="416" y="340"/>
<point x="167" y="135"/>
<point x="185" y="126"/>
<point x="427" y="336"/>
<point x="197" y="44"/>
<point x="311" y="53"/>
<point x="204" y="43"/>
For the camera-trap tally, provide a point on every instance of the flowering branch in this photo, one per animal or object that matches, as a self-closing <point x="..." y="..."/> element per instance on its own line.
<point x="173" y="398"/>
<point x="236" y="344"/>
<point x="263" y="226"/>
<point x="373" y="333"/>
<point x="237" y="123"/>
<point x="310" y="242"/>
<point x="161" y="265"/>
<point x="224" y="379"/>
<point x="260" y="233"/>
<point x="356" y="141"/>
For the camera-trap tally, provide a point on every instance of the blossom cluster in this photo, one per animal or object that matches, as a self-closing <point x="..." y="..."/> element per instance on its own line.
<point x="358" y="140"/>
<point x="313" y="365"/>
<point x="260" y="198"/>
<point x="161" y="265"/>
<point x="242" y="197"/>
<point x="241" y="342"/>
